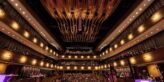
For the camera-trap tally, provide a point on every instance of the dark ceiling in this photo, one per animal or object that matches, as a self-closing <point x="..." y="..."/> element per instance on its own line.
<point x="122" y="10"/>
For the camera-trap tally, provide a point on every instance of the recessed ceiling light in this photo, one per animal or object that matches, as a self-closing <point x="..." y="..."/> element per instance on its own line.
<point x="41" y="44"/>
<point x="130" y="36"/>
<point x="140" y="9"/>
<point x="156" y="17"/>
<point x="94" y="56"/>
<point x="89" y="67"/>
<point x="141" y="28"/>
<point x="34" y="61"/>
<point x="47" y="48"/>
<point x="68" y="67"/>
<point x="82" y="67"/>
<point x="115" y="46"/>
<point x="23" y="12"/>
<point x="106" y="51"/>
<point x="54" y="53"/>
<point x="47" y="65"/>
<point x="23" y="59"/>
<point x="15" y="25"/>
<point x="51" y="50"/>
<point x="69" y="56"/>
<point x="122" y="42"/>
<point x="88" y="57"/>
<point x="103" y="53"/>
<point x="63" y="56"/>
<point x="82" y="57"/>
<point x="16" y="4"/>
<point x="110" y="49"/>
<point x="75" y="67"/>
<point x="75" y="56"/>
<point x="26" y="34"/>
<point x="41" y="63"/>
<point x="2" y="13"/>
<point x="35" y="40"/>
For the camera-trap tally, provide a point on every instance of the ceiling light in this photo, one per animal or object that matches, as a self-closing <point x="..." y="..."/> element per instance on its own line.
<point x="35" y="40"/>
<point x="63" y="56"/>
<point x="15" y="25"/>
<point x="41" y="63"/>
<point x="75" y="67"/>
<point x="96" y="67"/>
<point x="88" y="57"/>
<point x="132" y="60"/>
<point x="75" y="56"/>
<point x="82" y="57"/>
<point x="82" y="67"/>
<point x="94" y="57"/>
<point x="23" y="59"/>
<point x="7" y="55"/>
<point x="16" y="4"/>
<point x="156" y="17"/>
<point x="130" y="36"/>
<point x="47" y="48"/>
<point x="51" y="51"/>
<point x="147" y="57"/>
<point x="122" y="42"/>
<point x="52" y="65"/>
<point x="122" y="62"/>
<point x="103" y="53"/>
<point x="115" y="46"/>
<point x="2" y="13"/>
<point x="110" y="49"/>
<point x="34" y="61"/>
<point x="26" y="34"/>
<point x="54" y="53"/>
<point x="105" y="66"/>
<point x="41" y="44"/>
<point x="106" y="51"/>
<point x="115" y="64"/>
<point x="89" y="67"/>
<point x="68" y="67"/>
<point x="61" y="67"/>
<point x="69" y="57"/>
<point x="23" y="12"/>
<point x="47" y="65"/>
<point x="141" y="28"/>
<point x="57" y="54"/>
